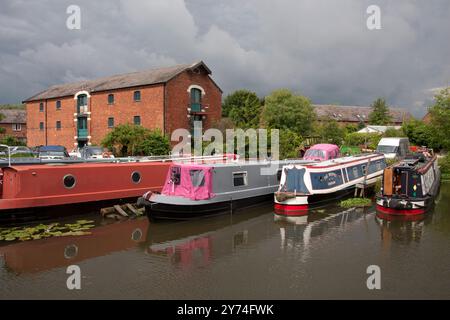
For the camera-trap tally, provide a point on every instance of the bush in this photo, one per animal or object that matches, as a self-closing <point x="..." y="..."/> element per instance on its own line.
<point x="132" y="140"/>
<point x="12" y="141"/>
<point x="369" y="140"/>
<point x="331" y="132"/>
<point x="444" y="164"/>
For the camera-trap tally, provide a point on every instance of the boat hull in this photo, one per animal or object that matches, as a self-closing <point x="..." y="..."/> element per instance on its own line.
<point x="42" y="186"/>
<point x="409" y="206"/>
<point x="166" y="211"/>
<point x="301" y="204"/>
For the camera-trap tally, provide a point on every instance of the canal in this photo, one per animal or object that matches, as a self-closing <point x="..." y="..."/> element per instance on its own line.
<point x="248" y="255"/>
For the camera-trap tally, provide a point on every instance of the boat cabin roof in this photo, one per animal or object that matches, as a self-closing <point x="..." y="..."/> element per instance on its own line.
<point x="343" y="160"/>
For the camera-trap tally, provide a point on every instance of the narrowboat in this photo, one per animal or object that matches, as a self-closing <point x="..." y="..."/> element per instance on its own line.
<point x="28" y="188"/>
<point x="409" y="186"/>
<point x="314" y="184"/>
<point x="193" y="190"/>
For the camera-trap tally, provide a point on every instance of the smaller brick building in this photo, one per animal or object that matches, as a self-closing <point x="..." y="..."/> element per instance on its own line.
<point x="76" y="114"/>
<point x="14" y="123"/>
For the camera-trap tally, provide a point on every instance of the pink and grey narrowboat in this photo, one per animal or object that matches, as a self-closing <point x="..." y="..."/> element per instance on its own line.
<point x="315" y="184"/>
<point x="409" y="186"/>
<point x="194" y="190"/>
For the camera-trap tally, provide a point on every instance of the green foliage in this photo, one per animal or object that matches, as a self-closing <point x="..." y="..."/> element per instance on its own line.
<point x="356" y="202"/>
<point x="380" y="113"/>
<point x="290" y="143"/>
<point x="440" y="117"/>
<point x="243" y="107"/>
<point x="392" y="132"/>
<point x="41" y="231"/>
<point x="11" y="141"/>
<point x="284" y="110"/>
<point x="132" y="140"/>
<point x="444" y="164"/>
<point x="370" y="140"/>
<point x="331" y="132"/>
<point x="422" y="134"/>
<point x="350" y="128"/>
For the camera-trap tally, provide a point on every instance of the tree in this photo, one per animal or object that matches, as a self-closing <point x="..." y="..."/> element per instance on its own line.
<point x="290" y="143"/>
<point x="331" y="132"/>
<point x="284" y="110"/>
<point x="421" y="134"/>
<point x="380" y="113"/>
<point x="132" y="140"/>
<point x="440" y="117"/>
<point x="243" y="107"/>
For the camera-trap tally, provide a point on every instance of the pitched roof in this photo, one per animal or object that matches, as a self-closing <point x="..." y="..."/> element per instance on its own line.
<point x="140" y="78"/>
<point x="356" y="113"/>
<point x="13" y="116"/>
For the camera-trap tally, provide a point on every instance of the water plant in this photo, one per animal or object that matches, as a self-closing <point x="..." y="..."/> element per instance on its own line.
<point x="356" y="203"/>
<point x="40" y="231"/>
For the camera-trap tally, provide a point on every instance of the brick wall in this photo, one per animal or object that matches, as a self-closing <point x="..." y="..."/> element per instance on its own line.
<point x="150" y="109"/>
<point x="22" y="134"/>
<point x="178" y="99"/>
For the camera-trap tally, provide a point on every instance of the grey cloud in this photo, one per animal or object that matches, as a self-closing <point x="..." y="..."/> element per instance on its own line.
<point x="318" y="48"/>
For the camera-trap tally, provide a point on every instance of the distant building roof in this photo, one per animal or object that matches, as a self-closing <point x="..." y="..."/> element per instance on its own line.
<point x="356" y="113"/>
<point x="13" y="116"/>
<point x="377" y="129"/>
<point x="140" y="78"/>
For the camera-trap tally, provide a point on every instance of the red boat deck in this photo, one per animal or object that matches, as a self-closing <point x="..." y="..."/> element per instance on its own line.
<point x="31" y="186"/>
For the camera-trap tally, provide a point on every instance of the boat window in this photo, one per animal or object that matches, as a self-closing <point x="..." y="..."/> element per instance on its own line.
<point x="387" y="149"/>
<point x="355" y="172"/>
<point x="197" y="178"/>
<point x="240" y="179"/>
<point x="175" y="175"/>
<point x="279" y="174"/>
<point x="69" y="181"/>
<point x="378" y="165"/>
<point x="314" y="153"/>
<point x="136" y="177"/>
<point x="364" y="169"/>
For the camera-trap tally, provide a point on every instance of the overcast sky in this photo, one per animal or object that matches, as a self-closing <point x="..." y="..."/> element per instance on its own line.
<point x="321" y="49"/>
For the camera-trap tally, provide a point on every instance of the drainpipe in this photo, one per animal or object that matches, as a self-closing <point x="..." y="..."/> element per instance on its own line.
<point x="45" y="123"/>
<point x="164" y="109"/>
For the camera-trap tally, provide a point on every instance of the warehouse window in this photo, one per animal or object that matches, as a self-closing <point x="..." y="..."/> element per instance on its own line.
<point x="41" y="107"/>
<point x="137" y="96"/>
<point x="137" y="120"/>
<point x="110" y="122"/>
<point x="110" y="98"/>
<point x="41" y="126"/>
<point x="58" y="105"/>
<point x="58" y="125"/>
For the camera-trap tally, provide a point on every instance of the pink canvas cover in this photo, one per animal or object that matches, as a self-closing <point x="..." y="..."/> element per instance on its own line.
<point x="189" y="185"/>
<point x="331" y="151"/>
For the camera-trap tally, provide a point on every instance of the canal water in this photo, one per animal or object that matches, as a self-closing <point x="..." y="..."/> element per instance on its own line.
<point x="247" y="255"/>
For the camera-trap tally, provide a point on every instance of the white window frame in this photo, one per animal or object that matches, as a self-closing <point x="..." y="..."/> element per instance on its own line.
<point x="16" y="127"/>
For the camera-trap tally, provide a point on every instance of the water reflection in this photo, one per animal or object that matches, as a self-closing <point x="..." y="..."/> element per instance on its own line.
<point x="402" y="229"/>
<point x="299" y="232"/>
<point x="39" y="255"/>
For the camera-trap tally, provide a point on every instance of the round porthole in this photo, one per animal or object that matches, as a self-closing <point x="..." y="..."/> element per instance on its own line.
<point x="136" y="177"/>
<point x="136" y="235"/>
<point x="69" y="181"/>
<point x="71" y="251"/>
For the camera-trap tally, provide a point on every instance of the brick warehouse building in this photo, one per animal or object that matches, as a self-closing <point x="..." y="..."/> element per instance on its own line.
<point x="81" y="113"/>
